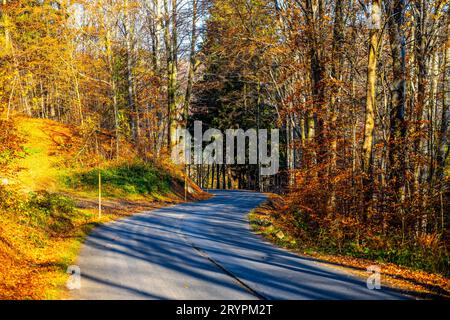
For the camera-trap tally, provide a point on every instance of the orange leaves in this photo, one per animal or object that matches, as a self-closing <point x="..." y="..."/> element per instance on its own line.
<point x="429" y="241"/>
<point x="310" y="233"/>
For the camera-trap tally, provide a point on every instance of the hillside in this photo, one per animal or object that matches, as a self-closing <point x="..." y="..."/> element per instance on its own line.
<point x="50" y="202"/>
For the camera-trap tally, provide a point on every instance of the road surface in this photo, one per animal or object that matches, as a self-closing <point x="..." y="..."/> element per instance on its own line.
<point x="204" y="250"/>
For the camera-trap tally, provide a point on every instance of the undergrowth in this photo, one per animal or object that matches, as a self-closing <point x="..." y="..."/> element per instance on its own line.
<point x="40" y="234"/>
<point x="295" y="229"/>
<point x="135" y="178"/>
<point x="48" y="203"/>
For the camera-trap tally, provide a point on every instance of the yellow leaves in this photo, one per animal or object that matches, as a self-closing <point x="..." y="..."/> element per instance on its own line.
<point x="35" y="100"/>
<point x="429" y="241"/>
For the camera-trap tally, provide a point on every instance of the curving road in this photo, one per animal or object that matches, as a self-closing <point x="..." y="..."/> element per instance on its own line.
<point x="204" y="250"/>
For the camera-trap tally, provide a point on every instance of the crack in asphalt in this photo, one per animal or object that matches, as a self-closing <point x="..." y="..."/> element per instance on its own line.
<point x="217" y="264"/>
<point x="205" y="250"/>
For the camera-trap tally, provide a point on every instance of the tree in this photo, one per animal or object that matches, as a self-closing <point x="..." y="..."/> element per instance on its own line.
<point x="369" y="121"/>
<point x="397" y="113"/>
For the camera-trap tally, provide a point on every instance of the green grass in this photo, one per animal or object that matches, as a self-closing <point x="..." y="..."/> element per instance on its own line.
<point x="45" y="231"/>
<point x="136" y="178"/>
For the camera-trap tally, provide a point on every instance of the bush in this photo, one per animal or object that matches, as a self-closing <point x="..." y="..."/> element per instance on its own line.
<point x="50" y="211"/>
<point x="136" y="178"/>
<point x="346" y="235"/>
<point x="51" y="203"/>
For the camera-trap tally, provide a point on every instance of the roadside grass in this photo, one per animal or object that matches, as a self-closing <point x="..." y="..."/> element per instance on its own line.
<point x="275" y="222"/>
<point x="41" y="232"/>
<point x="40" y="236"/>
<point x="122" y="180"/>
<point x="50" y="205"/>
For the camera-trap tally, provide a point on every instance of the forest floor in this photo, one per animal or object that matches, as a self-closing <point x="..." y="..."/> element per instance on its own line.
<point x="46" y="219"/>
<point x="269" y="221"/>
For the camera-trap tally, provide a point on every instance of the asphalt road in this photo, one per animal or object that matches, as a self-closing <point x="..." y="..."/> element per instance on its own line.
<point x="204" y="250"/>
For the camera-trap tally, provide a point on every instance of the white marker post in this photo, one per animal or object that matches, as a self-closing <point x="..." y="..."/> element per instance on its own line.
<point x="99" y="181"/>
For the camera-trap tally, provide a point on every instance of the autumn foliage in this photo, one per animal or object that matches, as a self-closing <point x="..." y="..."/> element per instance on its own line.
<point x="358" y="90"/>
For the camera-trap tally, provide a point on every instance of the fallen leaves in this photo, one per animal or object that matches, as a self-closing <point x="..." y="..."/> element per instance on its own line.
<point x="273" y="220"/>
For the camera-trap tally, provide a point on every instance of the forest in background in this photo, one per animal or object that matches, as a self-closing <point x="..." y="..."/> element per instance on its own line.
<point x="359" y="90"/>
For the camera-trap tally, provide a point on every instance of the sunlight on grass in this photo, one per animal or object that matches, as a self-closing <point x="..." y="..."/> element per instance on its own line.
<point x="51" y="205"/>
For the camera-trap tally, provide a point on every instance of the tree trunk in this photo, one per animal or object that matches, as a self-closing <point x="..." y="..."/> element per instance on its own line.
<point x="338" y="42"/>
<point x="133" y="108"/>
<point x="218" y="176"/>
<point x="110" y="58"/>
<point x="155" y="26"/>
<point x="315" y="13"/>
<point x="192" y="62"/>
<point x="397" y="112"/>
<point x="443" y="148"/>
<point x="369" y="120"/>
<point x="170" y="37"/>
<point x="224" y="176"/>
<point x="5" y="23"/>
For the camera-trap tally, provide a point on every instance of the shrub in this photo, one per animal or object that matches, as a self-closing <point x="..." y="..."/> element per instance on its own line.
<point x="50" y="211"/>
<point x="135" y="178"/>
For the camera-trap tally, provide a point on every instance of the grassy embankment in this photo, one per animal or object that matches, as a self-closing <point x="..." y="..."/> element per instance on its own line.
<point x="50" y="204"/>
